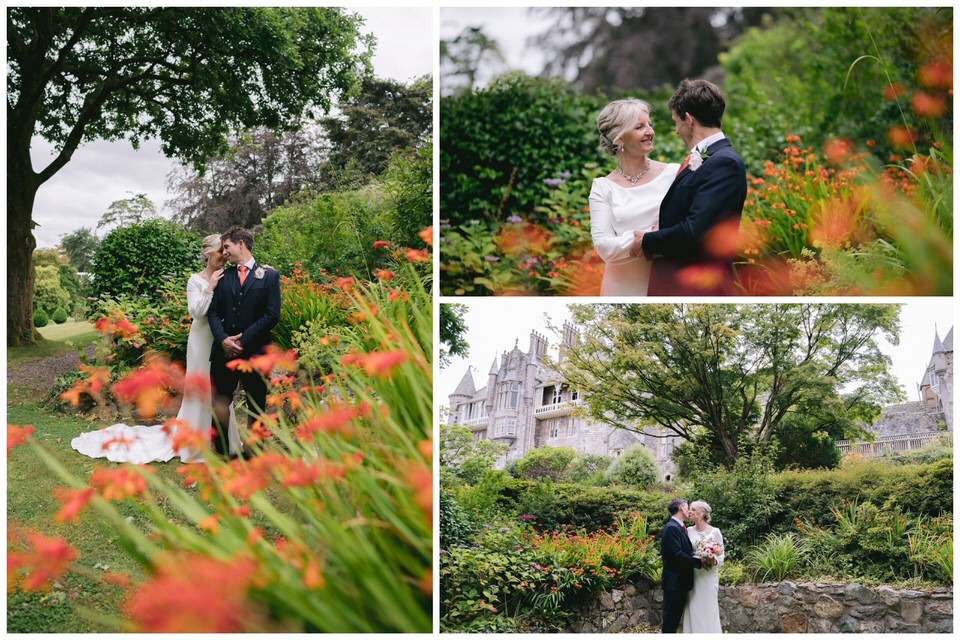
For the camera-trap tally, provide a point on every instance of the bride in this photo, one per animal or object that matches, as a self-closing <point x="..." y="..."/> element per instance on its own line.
<point x="627" y="199"/>
<point x="140" y="444"/>
<point x="702" y="612"/>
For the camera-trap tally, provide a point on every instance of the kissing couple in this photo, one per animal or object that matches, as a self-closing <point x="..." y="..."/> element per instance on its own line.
<point x="234" y="303"/>
<point x="668" y="229"/>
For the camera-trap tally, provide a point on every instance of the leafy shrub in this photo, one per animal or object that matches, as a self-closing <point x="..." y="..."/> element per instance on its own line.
<point x="537" y="580"/>
<point x="778" y="557"/>
<point x="60" y="316"/>
<point x="543" y="463"/>
<point x="40" y="319"/>
<point x="134" y="259"/>
<point x="588" y="469"/>
<point x="732" y="572"/>
<point x="49" y="294"/>
<point x="499" y="144"/>
<point x="305" y="301"/>
<point x="636" y="468"/>
<point x="456" y="528"/>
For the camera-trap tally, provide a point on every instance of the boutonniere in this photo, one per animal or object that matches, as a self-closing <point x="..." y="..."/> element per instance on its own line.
<point x="697" y="157"/>
<point x="258" y="274"/>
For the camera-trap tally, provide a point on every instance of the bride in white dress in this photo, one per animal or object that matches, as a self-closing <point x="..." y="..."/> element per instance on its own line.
<point x="702" y="613"/>
<point x="140" y="444"/>
<point x="628" y="199"/>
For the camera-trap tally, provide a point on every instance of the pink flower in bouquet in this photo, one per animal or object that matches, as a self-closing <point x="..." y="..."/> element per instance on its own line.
<point x="707" y="548"/>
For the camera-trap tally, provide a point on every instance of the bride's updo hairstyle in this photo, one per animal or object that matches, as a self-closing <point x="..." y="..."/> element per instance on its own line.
<point x="210" y="244"/>
<point x="704" y="508"/>
<point x="615" y="119"/>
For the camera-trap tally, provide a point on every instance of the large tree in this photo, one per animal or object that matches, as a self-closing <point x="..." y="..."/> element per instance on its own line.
<point x="735" y="373"/>
<point x="188" y="76"/>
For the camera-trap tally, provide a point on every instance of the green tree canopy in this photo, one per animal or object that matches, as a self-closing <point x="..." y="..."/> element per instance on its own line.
<point x="80" y="245"/>
<point x="452" y="329"/>
<point x="137" y="208"/>
<point x="464" y="459"/>
<point x="734" y="372"/>
<point x="189" y="76"/>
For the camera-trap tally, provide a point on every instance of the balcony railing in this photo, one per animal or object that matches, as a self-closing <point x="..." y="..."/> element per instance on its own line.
<point x="889" y="445"/>
<point x="557" y="409"/>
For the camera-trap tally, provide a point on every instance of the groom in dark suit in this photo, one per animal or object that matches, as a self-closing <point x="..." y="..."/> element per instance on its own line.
<point x="696" y="239"/>
<point x="245" y="307"/>
<point x="678" y="565"/>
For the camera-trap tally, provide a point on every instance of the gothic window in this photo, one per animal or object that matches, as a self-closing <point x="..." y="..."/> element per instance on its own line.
<point x="934" y="380"/>
<point x="571" y="425"/>
<point x="554" y="428"/>
<point x="575" y="395"/>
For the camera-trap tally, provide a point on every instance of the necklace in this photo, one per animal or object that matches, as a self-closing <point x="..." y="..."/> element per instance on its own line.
<point x="633" y="179"/>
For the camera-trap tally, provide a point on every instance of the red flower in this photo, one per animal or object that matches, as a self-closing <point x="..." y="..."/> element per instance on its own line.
<point x="927" y="105"/>
<point x="900" y="136"/>
<point x="151" y="386"/>
<point x="891" y="91"/>
<point x="936" y="75"/>
<point x="17" y="435"/>
<point x="418" y="255"/>
<point x="120" y="483"/>
<point x="376" y="363"/>
<point x="193" y="593"/>
<point x="837" y="150"/>
<point x="383" y="274"/>
<point x="184" y="435"/>
<point x="337" y="419"/>
<point x="380" y="244"/>
<point x="74" y="501"/>
<point x="45" y="560"/>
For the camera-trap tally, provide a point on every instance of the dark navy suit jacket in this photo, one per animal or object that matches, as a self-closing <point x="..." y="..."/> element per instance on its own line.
<point x="678" y="559"/>
<point x="694" y="245"/>
<point x="252" y="310"/>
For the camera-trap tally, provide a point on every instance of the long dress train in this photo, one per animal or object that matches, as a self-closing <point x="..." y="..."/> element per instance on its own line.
<point x="149" y="443"/>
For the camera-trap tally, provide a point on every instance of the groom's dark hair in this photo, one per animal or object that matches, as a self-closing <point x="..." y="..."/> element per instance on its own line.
<point x="236" y="234"/>
<point x="674" y="505"/>
<point x="701" y="99"/>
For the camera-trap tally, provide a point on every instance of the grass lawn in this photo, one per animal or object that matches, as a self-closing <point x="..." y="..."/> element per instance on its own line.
<point x="57" y="336"/>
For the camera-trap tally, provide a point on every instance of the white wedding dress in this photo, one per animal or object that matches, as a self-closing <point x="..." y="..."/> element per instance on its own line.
<point x="615" y="213"/>
<point x="140" y="444"/>
<point x="702" y="613"/>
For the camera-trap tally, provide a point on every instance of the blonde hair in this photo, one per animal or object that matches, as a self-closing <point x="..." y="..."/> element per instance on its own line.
<point x="210" y="244"/>
<point x="705" y="508"/>
<point x="615" y="119"/>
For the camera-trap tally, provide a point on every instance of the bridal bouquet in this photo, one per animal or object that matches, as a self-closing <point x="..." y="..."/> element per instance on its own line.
<point x="707" y="548"/>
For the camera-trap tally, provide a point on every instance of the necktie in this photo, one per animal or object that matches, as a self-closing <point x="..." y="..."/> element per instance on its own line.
<point x="683" y="166"/>
<point x="243" y="273"/>
<point x="684" y="528"/>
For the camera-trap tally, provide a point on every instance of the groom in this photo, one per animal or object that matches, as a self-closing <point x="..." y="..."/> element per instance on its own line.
<point x="245" y="307"/>
<point x="693" y="247"/>
<point x="678" y="565"/>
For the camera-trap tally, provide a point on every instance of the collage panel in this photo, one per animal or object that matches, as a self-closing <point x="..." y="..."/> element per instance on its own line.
<point x="219" y="319"/>
<point x="645" y="468"/>
<point x="778" y="152"/>
<point x="770" y="449"/>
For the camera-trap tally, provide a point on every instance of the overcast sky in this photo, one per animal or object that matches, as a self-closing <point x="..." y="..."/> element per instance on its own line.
<point x="495" y="325"/>
<point x="102" y="172"/>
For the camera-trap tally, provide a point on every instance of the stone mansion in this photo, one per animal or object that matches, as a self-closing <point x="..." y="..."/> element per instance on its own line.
<point x="527" y="405"/>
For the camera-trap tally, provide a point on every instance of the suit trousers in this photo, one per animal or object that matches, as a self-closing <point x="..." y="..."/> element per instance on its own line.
<point x="225" y="382"/>
<point x="673" y="604"/>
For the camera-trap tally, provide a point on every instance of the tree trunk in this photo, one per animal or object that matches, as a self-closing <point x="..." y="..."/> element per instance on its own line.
<point x="22" y="185"/>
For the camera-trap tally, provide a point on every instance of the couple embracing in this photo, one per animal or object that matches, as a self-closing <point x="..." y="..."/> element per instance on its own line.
<point x="668" y="229"/>
<point x="233" y="311"/>
<point x="691" y="558"/>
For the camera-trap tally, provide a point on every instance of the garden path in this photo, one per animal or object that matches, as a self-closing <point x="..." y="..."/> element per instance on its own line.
<point x="38" y="375"/>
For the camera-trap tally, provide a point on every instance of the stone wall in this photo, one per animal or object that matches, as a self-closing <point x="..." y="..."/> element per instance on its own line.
<point x="784" y="607"/>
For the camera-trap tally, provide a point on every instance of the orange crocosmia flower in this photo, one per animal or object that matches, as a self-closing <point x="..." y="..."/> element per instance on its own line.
<point x="336" y="419"/>
<point x="150" y="386"/>
<point x="526" y="238"/>
<point x="384" y="274"/>
<point x="421" y="479"/>
<point x="211" y="523"/>
<point x="891" y="91"/>
<point x="74" y="501"/>
<point x="380" y="244"/>
<point x="835" y="223"/>
<point x="240" y="365"/>
<point x="197" y="384"/>
<point x="397" y="294"/>
<point x="900" y="136"/>
<point x="721" y="240"/>
<point x="927" y="105"/>
<point x="120" y="483"/>
<point x="46" y="559"/>
<point x="936" y="75"/>
<point x="17" y="435"/>
<point x="426" y="234"/>
<point x="700" y="276"/>
<point x="184" y="435"/>
<point x="382" y="363"/>
<point x="425" y="447"/>
<point x="426" y="582"/>
<point x="837" y="150"/>
<point x="345" y="283"/>
<point x="312" y="578"/>
<point x="418" y="255"/>
<point x="193" y="593"/>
